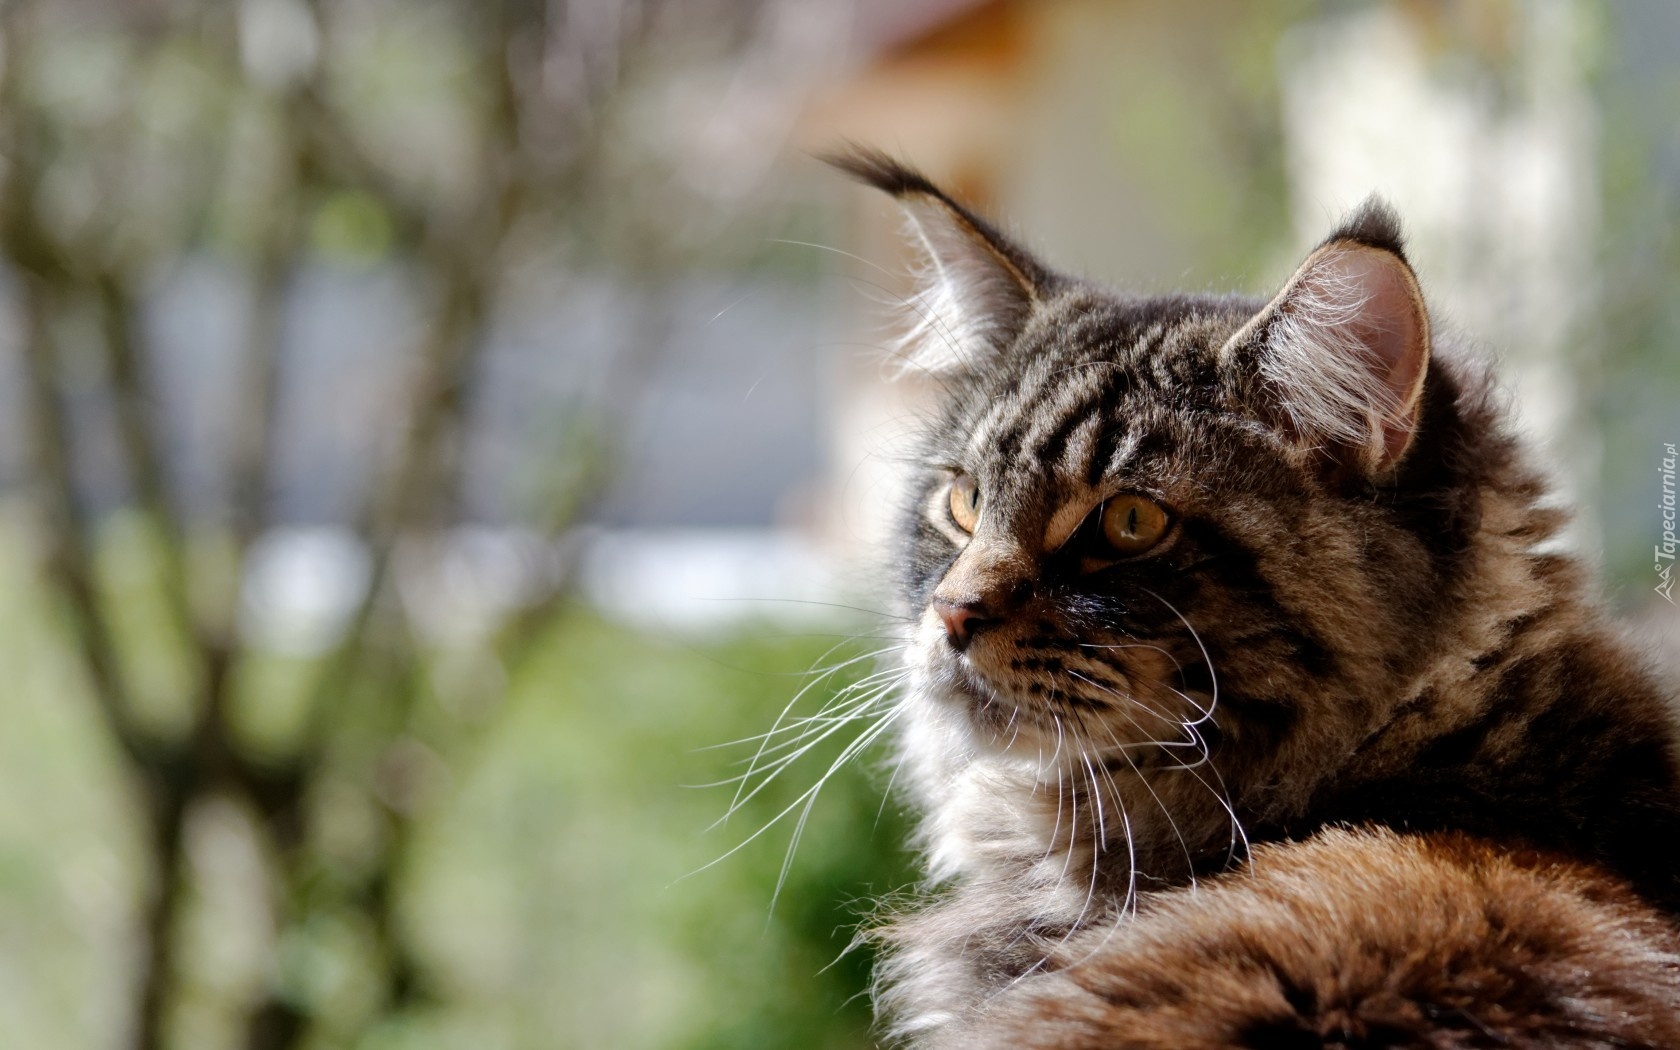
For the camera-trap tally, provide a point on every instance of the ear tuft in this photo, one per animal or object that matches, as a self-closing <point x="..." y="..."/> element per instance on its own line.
<point x="975" y="288"/>
<point x="1373" y="224"/>
<point x="881" y="170"/>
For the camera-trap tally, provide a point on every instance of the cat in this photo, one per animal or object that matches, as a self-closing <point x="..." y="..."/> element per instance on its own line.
<point x="1251" y="703"/>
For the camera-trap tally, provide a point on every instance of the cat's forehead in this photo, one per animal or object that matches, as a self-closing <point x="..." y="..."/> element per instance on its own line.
<point x="1091" y="379"/>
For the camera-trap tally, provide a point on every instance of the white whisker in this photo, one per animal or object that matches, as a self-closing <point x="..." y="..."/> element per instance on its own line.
<point x="818" y="679"/>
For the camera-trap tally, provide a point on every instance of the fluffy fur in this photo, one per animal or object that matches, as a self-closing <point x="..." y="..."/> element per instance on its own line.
<point x="1133" y="772"/>
<point x="1360" y="940"/>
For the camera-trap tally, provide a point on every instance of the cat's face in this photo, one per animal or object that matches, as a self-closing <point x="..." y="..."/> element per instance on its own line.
<point x="1077" y="505"/>
<point x="1101" y="537"/>
<point x="1133" y="510"/>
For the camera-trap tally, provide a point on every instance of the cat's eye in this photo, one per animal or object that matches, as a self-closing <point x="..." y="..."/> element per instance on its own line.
<point x="1132" y="524"/>
<point x="965" y="502"/>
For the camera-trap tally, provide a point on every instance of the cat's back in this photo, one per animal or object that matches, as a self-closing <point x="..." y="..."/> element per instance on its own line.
<point x="1361" y="939"/>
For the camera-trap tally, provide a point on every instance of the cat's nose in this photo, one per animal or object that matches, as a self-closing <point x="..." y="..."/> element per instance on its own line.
<point x="962" y="620"/>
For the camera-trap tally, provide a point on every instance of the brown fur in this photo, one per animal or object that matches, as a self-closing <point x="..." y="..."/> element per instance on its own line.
<point x="1354" y="620"/>
<point x="1360" y="940"/>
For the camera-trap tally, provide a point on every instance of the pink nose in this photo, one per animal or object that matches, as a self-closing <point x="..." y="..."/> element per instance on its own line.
<point x="962" y="620"/>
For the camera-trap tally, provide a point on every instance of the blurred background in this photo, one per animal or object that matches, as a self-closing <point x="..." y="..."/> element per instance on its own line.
<point x="429" y="430"/>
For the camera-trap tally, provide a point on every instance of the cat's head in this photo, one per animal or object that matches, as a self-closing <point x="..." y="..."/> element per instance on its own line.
<point x="1132" y="509"/>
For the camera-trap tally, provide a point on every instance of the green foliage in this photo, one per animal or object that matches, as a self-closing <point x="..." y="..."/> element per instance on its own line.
<point x="352" y="226"/>
<point x="557" y="890"/>
<point x="70" y="849"/>
<point x="574" y="844"/>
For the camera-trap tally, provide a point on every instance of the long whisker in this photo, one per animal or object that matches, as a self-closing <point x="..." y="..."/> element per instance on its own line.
<point x="1166" y="811"/>
<point x="851" y="750"/>
<point x="886" y="793"/>
<point x="1126" y="824"/>
<point x="853" y="710"/>
<point x="1101" y="826"/>
<point x="837" y="251"/>
<point x="844" y="708"/>
<point x="1134" y="700"/>
<point x="1222" y="794"/>
<point x="1073" y="803"/>
<point x="846" y="755"/>
<point x="1213" y="676"/>
<point x="816" y="680"/>
<point x="1129" y="902"/>
<point x="743" y="796"/>
<point x="796" y="723"/>
<point x="880" y="614"/>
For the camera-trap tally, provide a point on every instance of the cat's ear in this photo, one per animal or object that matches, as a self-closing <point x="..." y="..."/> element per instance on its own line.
<point x="1343" y="350"/>
<point x="975" y="288"/>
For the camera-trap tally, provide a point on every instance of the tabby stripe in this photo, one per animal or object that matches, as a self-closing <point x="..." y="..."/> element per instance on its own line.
<point x="1055" y="442"/>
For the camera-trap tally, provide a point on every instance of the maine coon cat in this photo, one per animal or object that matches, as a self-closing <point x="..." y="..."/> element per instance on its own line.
<point x="1248" y="705"/>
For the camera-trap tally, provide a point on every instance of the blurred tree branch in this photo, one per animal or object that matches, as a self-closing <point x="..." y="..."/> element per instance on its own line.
<point x="545" y="172"/>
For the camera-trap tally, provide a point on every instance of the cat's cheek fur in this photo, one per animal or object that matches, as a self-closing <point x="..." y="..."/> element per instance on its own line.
<point x="969" y="791"/>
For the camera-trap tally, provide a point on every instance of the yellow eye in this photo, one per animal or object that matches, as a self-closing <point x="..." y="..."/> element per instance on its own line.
<point x="1132" y="524"/>
<point x="965" y="502"/>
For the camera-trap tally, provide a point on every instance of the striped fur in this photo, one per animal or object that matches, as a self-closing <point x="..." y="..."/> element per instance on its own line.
<point x="1354" y="621"/>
